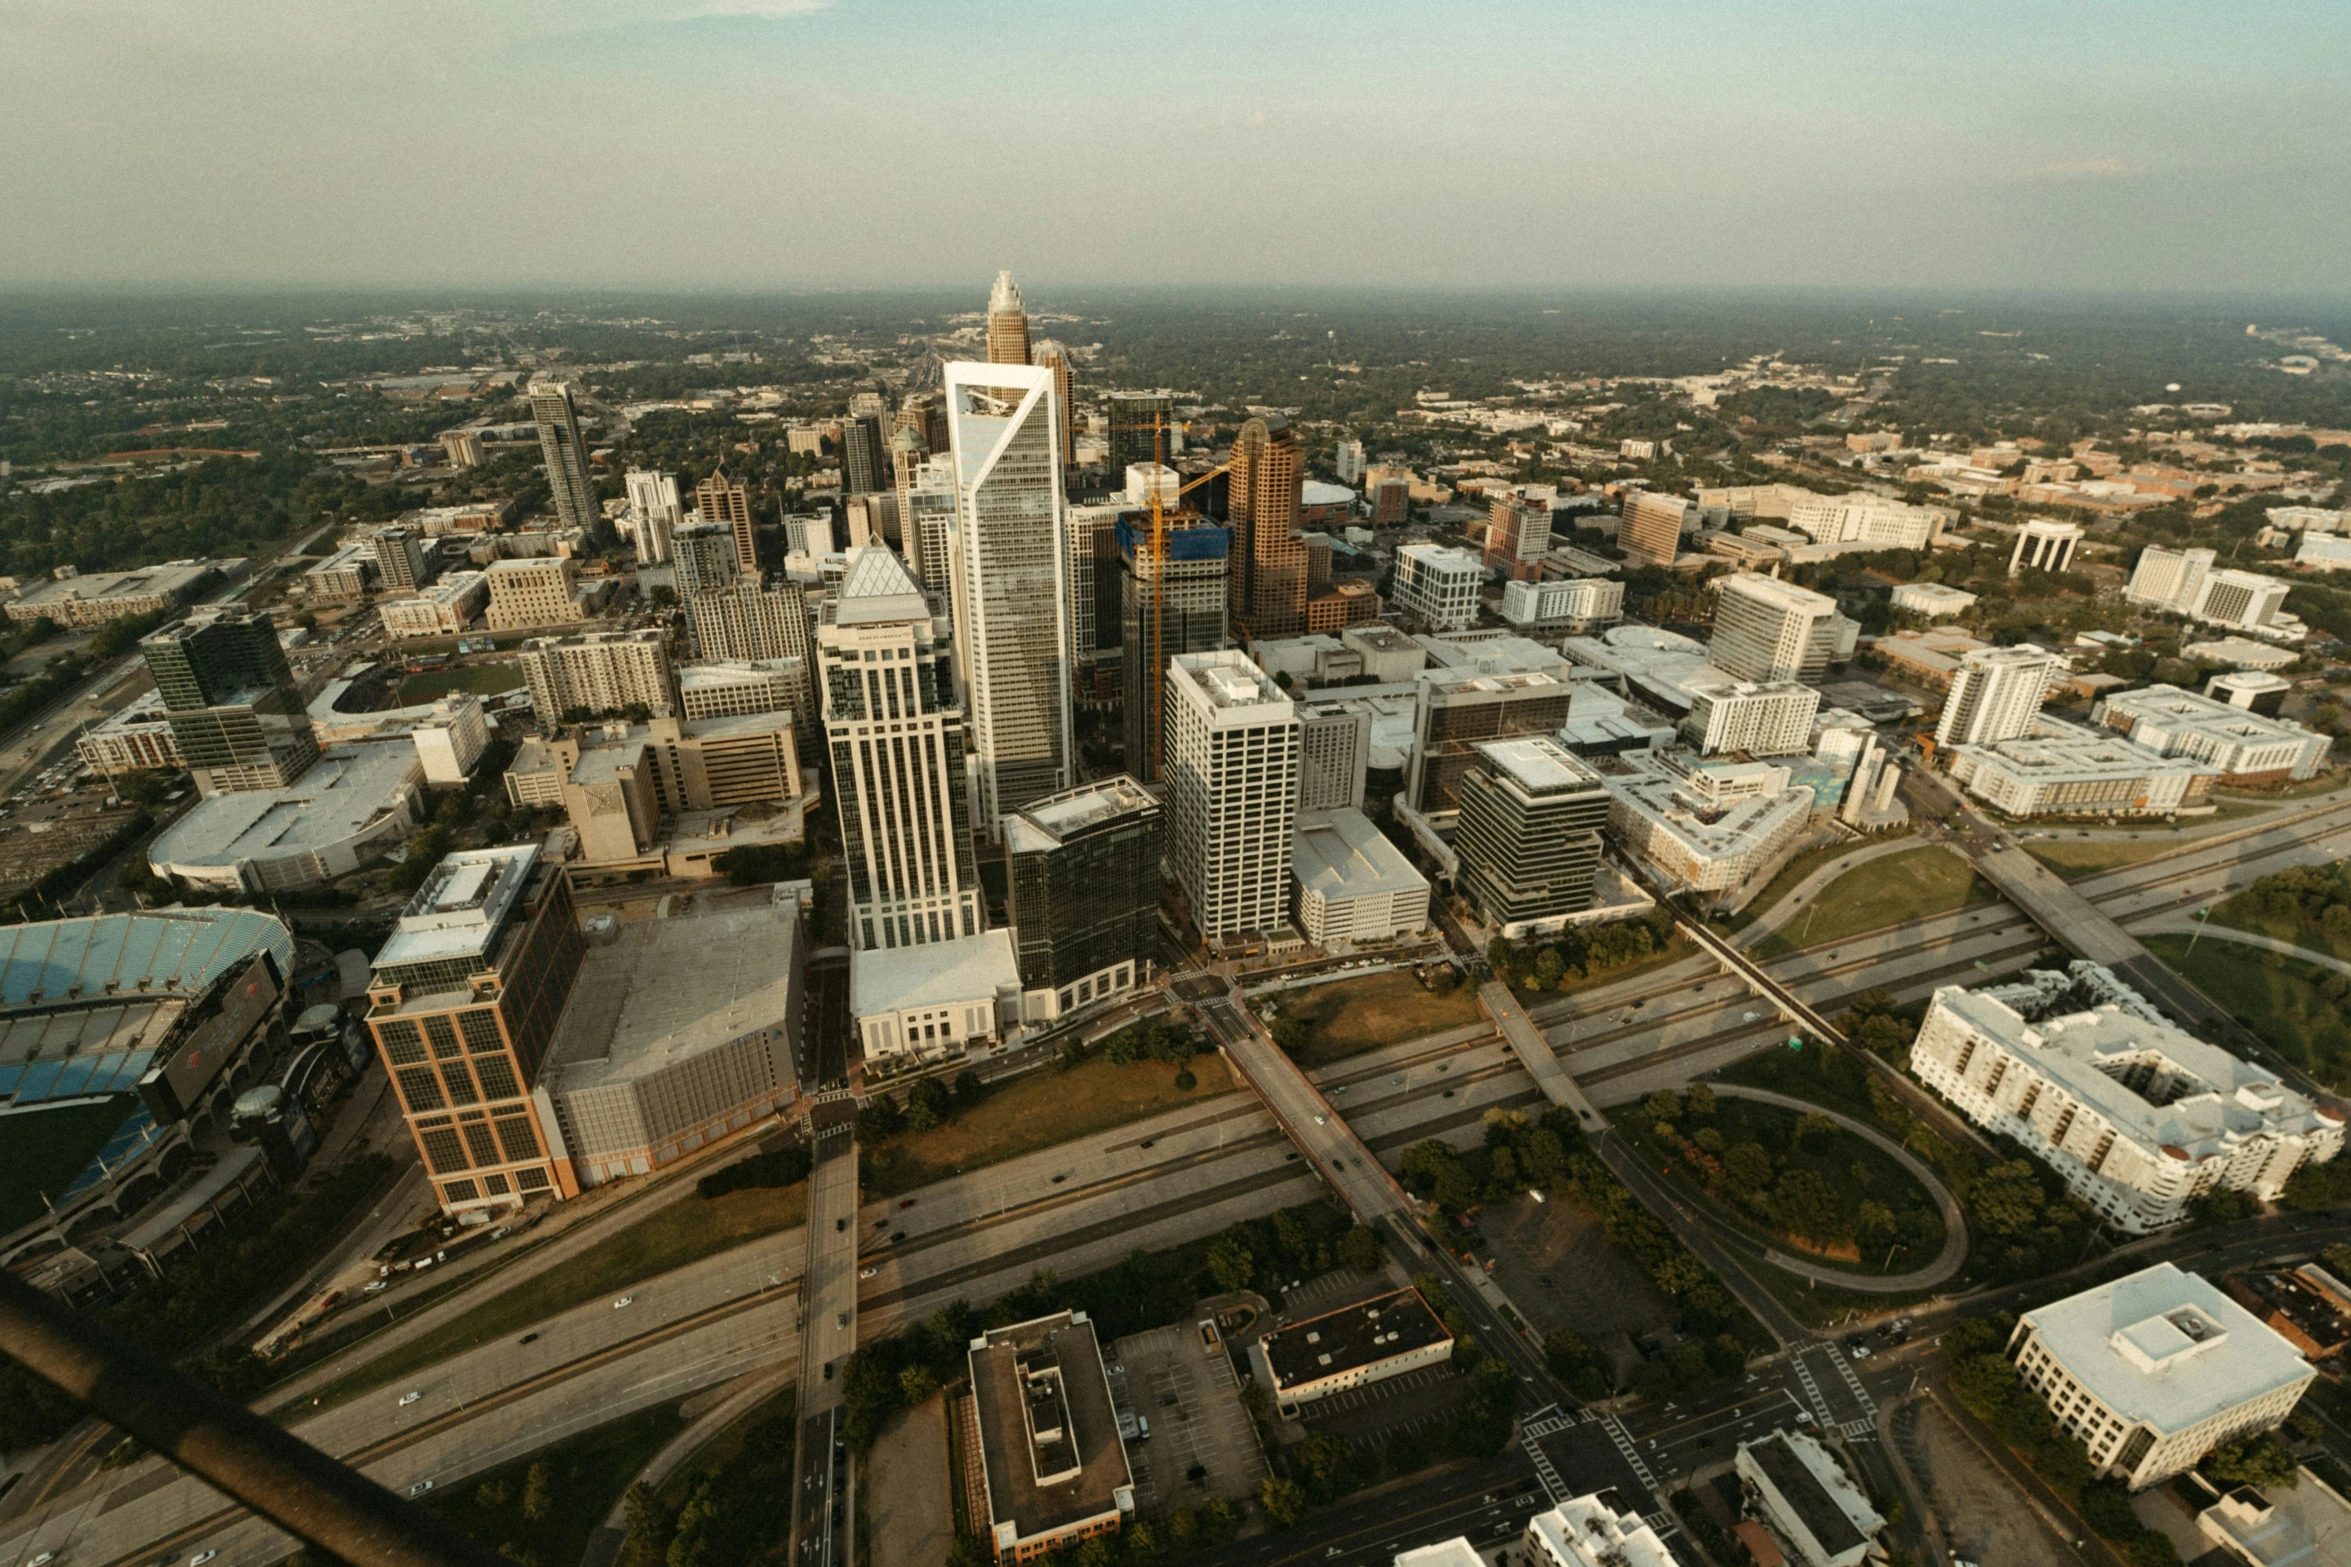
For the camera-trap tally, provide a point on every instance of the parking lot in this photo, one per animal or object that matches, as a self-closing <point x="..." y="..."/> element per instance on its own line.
<point x="1201" y="1444"/>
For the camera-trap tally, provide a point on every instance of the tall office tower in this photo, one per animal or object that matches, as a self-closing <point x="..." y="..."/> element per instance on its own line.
<point x="926" y="521"/>
<point x="1269" y="588"/>
<point x="2246" y="600"/>
<point x="1084" y="891"/>
<point x="463" y="1004"/>
<point x="875" y="405"/>
<point x="598" y="673"/>
<point x="721" y="499"/>
<point x="896" y="736"/>
<point x="555" y="409"/>
<point x="1649" y="530"/>
<point x="2170" y="579"/>
<point x="864" y="465"/>
<point x="1008" y="324"/>
<point x="1232" y="792"/>
<point x="1349" y="460"/>
<point x="655" y="513"/>
<point x="1996" y="693"/>
<point x="907" y="456"/>
<point x="1163" y="612"/>
<point x="401" y="560"/>
<point x="1518" y="535"/>
<point x="1139" y="432"/>
<point x="702" y="555"/>
<point x="1766" y="629"/>
<point x="1011" y="577"/>
<point x="926" y="414"/>
<point x="1054" y="356"/>
<point x="1529" y="832"/>
<point x="235" y="710"/>
<point x="1086" y="639"/>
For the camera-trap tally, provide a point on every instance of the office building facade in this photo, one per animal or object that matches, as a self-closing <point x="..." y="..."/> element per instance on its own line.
<point x="1166" y="607"/>
<point x="1439" y="586"/>
<point x="1766" y="629"/>
<point x="1084" y="887"/>
<point x="1232" y="792"/>
<point x="1996" y="694"/>
<point x="235" y="710"/>
<point x="535" y="591"/>
<point x="1650" y="527"/>
<point x="554" y="408"/>
<point x="1008" y="323"/>
<point x="401" y="562"/>
<point x="1518" y="535"/>
<point x="1269" y="585"/>
<point x="1529" y="832"/>
<point x="654" y="515"/>
<point x="1139" y="431"/>
<point x="728" y="502"/>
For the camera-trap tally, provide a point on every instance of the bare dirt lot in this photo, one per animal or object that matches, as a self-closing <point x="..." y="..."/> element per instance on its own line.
<point x="1983" y="1515"/>
<point x="909" y="1507"/>
<point x="1557" y="1267"/>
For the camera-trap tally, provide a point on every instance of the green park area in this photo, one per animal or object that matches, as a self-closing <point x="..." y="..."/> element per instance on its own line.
<point x="1794" y="1179"/>
<point x="676" y="1233"/>
<point x="2308" y="905"/>
<point x="43" y="1149"/>
<point x="1327" y="1023"/>
<point x="1792" y="874"/>
<point x="2297" y="1008"/>
<point x="544" y="1507"/>
<point x="1912" y="885"/>
<point x="480" y="679"/>
<point x="1058" y="1103"/>
<point x="732" y="1503"/>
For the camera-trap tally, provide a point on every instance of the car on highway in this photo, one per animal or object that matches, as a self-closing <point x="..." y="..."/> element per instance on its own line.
<point x="420" y="1488"/>
<point x="201" y="1557"/>
<point x="409" y="1398"/>
<point x="375" y="1286"/>
<point x="867" y="1273"/>
<point x="625" y="1300"/>
<point x="905" y="1203"/>
<point x="528" y="1338"/>
<point x="42" y="1560"/>
<point x="1322" y="1120"/>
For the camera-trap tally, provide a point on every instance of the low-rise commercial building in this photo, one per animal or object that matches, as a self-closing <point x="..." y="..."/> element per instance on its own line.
<point x="2138" y="1116"/>
<point x="917" y="1006"/>
<point x="444" y="609"/>
<point x="639" y="794"/>
<point x="1932" y="599"/>
<point x="2294" y="1525"/>
<point x="354" y="803"/>
<point x="679" y="1031"/>
<point x="1599" y="1530"/>
<point x="341" y="578"/>
<point x="1354" y="1346"/>
<point x="1702" y="827"/>
<point x="1926" y="658"/>
<point x="1808" y="1500"/>
<point x="1439" y="586"/>
<point x="1353" y="884"/>
<point x="2252" y="690"/>
<point x="1573" y="603"/>
<point x="1053" y="1466"/>
<point x="2243" y="652"/>
<point x="135" y="738"/>
<point x="2062" y="769"/>
<point x="2154" y="1370"/>
<point x="2244" y="746"/>
<point x="76" y="600"/>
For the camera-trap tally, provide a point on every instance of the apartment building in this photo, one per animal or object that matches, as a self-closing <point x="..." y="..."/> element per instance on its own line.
<point x="1996" y="694"/>
<point x="1766" y="629"/>
<point x="2247" y="747"/>
<point x="531" y="592"/>
<point x="596" y="673"/>
<point x="1759" y="718"/>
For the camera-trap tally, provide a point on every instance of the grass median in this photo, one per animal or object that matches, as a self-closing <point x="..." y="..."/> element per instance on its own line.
<point x="682" y="1232"/>
<point x="1913" y="885"/>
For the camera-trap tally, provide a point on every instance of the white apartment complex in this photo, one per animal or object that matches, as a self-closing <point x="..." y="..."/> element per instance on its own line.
<point x="1865" y="521"/>
<point x="1011" y="582"/>
<point x="1439" y="586"/>
<point x="598" y="672"/>
<point x="2137" y="1115"/>
<point x="530" y="592"/>
<point x="1703" y="827"/>
<point x="2246" y="747"/>
<point x="441" y="610"/>
<point x="452" y="738"/>
<point x="1766" y="629"/>
<point x="1231" y="777"/>
<point x="1996" y="694"/>
<point x="1768" y="718"/>
<point x="2155" y="1370"/>
<point x="2187" y="582"/>
<point x="1573" y="603"/>
<point x="654" y="514"/>
<point x="2062" y="769"/>
<point x="1589" y="1532"/>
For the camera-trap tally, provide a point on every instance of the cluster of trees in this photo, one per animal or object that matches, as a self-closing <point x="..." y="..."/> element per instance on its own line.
<point x="738" y="1511"/>
<point x="1326" y="1468"/>
<point x="1783" y="1171"/>
<point x="202" y="1297"/>
<point x="1153" y="1039"/>
<point x="1295" y="1244"/>
<point x="2318" y="896"/>
<point x="1517" y="1154"/>
<point x="757" y="863"/>
<point x="785" y="1166"/>
<point x="930" y="1103"/>
<point x="1580" y="952"/>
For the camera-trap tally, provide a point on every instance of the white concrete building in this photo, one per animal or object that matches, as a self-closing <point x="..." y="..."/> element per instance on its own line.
<point x="1996" y="694"/>
<point x="598" y="672"/>
<point x="1766" y="629"/>
<point x="1353" y="884"/>
<point x="1011" y="582"/>
<point x="1808" y="1501"/>
<point x="1586" y="1531"/>
<point x="2242" y="600"/>
<point x="452" y="739"/>
<point x="1231" y="779"/>
<point x="2323" y="552"/>
<point x="137" y="737"/>
<point x="1353" y="1346"/>
<point x="2246" y="747"/>
<point x="1573" y="603"/>
<point x="1143" y="478"/>
<point x="2137" y="1115"/>
<point x="444" y="609"/>
<point x="1767" y="718"/>
<point x="920" y="1005"/>
<point x="2243" y="652"/>
<point x="2154" y="1370"/>
<point x="2043" y="545"/>
<point x="1439" y="586"/>
<point x="1703" y="827"/>
<point x="653" y="516"/>
<point x="354" y="803"/>
<point x="2168" y="579"/>
<point x="530" y="592"/>
<point x="732" y="687"/>
<point x="2062" y="769"/>
<point x="1932" y="599"/>
<point x="1865" y="521"/>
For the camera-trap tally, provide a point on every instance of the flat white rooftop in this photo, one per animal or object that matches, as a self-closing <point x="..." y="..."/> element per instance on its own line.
<point x="666" y="989"/>
<point x="461" y="905"/>
<point x="2166" y="1347"/>
<point x="938" y="974"/>
<point x="1344" y="856"/>
<point x="1539" y="765"/>
<point x="348" y="789"/>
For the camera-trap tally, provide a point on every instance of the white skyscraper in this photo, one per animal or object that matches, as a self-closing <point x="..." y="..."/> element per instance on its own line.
<point x="2169" y="579"/>
<point x="1996" y="694"/>
<point x="1231" y="776"/>
<point x="1011" y="581"/>
<point x="896" y="734"/>
<point x="655" y="514"/>
<point x="1350" y="461"/>
<point x="1766" y="629"/>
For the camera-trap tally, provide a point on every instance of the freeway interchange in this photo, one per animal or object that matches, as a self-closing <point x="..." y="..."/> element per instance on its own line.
<point x="1089" y="1203"/>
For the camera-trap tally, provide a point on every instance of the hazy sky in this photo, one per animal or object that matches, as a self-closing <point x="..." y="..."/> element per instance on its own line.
<point x="800" y="143"/>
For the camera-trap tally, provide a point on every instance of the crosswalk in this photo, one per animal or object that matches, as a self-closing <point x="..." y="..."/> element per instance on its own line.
<point x="1866" y="1424"/>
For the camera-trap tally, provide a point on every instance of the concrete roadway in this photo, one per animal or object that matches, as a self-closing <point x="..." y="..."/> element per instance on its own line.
<point x="828" y="1298"/>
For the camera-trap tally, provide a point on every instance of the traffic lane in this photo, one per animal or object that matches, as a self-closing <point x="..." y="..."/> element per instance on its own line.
<point x="1417" y="1513"/>
<point x="828" y="1287"/>
<point x="1694" y="1439"/>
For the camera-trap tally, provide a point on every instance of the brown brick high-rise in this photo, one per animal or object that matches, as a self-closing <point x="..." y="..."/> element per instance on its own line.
<point x="1269" y="583"/>
<point x="721" y="499"/>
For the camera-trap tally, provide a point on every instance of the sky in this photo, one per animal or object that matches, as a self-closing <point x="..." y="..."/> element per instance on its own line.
<point x="826" y="144"/>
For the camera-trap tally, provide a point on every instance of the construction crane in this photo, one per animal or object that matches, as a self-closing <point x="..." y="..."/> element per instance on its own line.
<point x="1154" y="714"/>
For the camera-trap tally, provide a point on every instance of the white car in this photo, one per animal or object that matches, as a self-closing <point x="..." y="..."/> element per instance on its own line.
<point x="420" y="1488"/>
<point x="625" y="1300"/>
<point x="867" y="1273"/>
<point x="201" y="1557"/>
<point x="42" y="1560"/>
<point x="409" y="1398"/>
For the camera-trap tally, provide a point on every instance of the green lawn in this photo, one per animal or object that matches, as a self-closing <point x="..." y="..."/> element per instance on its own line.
<point x="1038" y="1110"/>
<point x="679" y="1233"/>
<point x="42" y="1150"/>
<point x="2283" y="1001"/>
<point x="1793" y="873"/>
<point x="480" y="679"/>
<point x="1890" y="891"/>
<point x="2240" y="913"/>
<point x="585" y="1476"/>
<point x="1350" y="1016"/>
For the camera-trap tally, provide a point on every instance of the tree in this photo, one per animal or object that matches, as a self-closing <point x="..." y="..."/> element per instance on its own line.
<point x="1663" y="1105"/>
<point x="2253" y="1460"/>
<point x="538" y="1492"/>
<point x="1290" y="1034"/>
<point x="1359" y="1248"/>
<point x="1230" y="1261"/>
<point x="1748" y="1165"/>
<point x="1284" y="1501"/>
